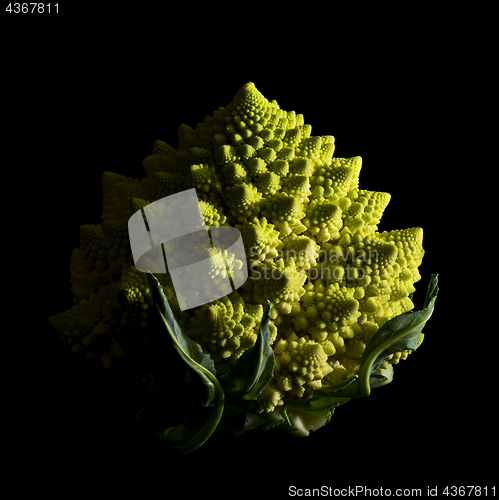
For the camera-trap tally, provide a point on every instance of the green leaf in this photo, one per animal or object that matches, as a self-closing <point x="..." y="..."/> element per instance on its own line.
<point x="275" y="420"/>
<point x="432" y="291"/>
<point x="311" y="414"/>
<point x="298" y="416"/>
<point x="380" y="378"/>
<point x="191" y="348"/>
<point x="209" y="396"/>
<point x="332" y="390"/>
<point x="254" y="369"/>
<point x="398" y="334"/>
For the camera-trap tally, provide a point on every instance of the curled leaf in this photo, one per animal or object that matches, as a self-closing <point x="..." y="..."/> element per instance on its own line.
<point x="398" y="334"/>
<point x="208" y="404"/>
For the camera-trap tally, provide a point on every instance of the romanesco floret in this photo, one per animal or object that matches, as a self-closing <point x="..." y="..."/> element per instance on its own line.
<point x="310" y="235"/>
<point x="300" y="366"/>
<point x="227" y="327"/>
<point x="260" y="239"/>
<point x="304" y="251"/>
<point x="286" y="212"/>
<point x="134" y="295"/>
<point x="323" y="220"/>
<point x="279" y="282"/>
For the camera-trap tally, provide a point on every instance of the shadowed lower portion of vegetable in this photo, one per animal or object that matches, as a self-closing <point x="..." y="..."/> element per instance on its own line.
<point x="229" y="401"/>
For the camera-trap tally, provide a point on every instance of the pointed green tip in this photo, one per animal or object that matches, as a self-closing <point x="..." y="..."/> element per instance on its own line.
<point x="247" y="90"/>
<point x="248" y="87"/>
<point x="248" y="96"/>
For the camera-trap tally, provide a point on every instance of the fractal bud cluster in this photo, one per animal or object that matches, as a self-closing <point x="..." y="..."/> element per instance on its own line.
<point x="326" y="310"/>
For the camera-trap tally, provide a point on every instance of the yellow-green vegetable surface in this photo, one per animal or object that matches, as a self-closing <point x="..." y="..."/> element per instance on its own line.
<point x="312" y="246"/>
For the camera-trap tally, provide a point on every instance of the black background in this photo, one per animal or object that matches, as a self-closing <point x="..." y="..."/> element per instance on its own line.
<point x="90" y="109"/>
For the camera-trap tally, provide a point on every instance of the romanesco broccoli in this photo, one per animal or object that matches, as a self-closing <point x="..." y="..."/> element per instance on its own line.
<point x="312" y="245"/>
